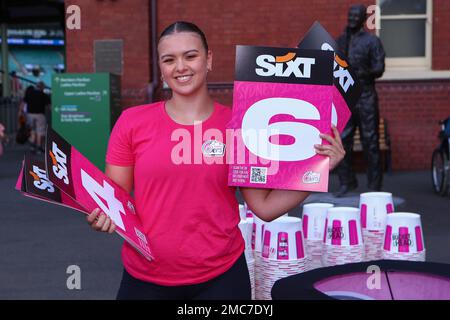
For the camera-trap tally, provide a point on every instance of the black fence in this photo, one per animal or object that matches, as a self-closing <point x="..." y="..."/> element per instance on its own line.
<point x="9" y="109"/>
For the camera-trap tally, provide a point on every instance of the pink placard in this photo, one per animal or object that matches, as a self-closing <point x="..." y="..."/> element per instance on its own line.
<point x="33" y="182"/>
<point x="76" y="176"/>
<point x="19" y="179"/>
<point x="282" y="102"/>
<point x="250" y="170"/>
<point x="342" y="113"/>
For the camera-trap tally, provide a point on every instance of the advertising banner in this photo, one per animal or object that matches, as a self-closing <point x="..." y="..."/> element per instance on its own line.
<point x="33" y="182"/>
<point x="76" y="176"/>
<point x="346" y="86"/>
<point x="281" y="104"/>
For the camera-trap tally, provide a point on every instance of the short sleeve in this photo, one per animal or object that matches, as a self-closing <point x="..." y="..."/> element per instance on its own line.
<point x="120" y="149"/>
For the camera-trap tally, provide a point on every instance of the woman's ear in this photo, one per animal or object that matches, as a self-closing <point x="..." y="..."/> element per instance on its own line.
<point x="209" y="60"/>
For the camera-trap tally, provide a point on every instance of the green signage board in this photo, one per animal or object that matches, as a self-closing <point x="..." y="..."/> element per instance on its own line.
<point x="85" y="107"/>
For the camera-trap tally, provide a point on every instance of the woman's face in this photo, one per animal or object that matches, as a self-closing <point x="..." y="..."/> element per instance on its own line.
<point x="184" y="62"/>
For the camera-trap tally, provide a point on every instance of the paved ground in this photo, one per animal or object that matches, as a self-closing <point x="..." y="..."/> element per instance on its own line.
<point x="39" y="241"/>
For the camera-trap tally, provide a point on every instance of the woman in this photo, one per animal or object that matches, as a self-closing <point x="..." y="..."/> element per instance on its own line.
<point x="187" y="209"/>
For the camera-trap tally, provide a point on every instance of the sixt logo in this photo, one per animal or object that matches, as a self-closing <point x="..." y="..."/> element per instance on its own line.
<point x="340" y="69"/>
<point x="59" y="161"/>
<point x="41" y="181"/>
<point x="284" y="66"/>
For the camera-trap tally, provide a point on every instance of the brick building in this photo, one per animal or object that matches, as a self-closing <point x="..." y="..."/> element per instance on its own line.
<point x="414" y="92"/>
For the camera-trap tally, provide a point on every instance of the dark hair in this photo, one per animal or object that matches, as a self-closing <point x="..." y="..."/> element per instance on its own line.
<point x="184" y="26"/>
<point x="362" y="10"/>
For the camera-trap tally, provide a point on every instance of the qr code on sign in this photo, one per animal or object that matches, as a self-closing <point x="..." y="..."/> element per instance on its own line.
<point x="259" y="175"/>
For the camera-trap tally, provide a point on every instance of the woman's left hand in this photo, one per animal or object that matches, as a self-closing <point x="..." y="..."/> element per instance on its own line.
<point x="335" y="150"/>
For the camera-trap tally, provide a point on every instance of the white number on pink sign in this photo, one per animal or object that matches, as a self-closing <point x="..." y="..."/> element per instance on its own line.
<point x="257" y="117"/>
<point x="114" y="207"/>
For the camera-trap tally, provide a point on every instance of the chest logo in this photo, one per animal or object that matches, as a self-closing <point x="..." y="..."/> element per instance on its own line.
<point x="213" y="148"/>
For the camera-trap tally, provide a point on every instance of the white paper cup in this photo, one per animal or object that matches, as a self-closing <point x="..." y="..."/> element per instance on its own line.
<point x="257" y="230"/>
<point x="242" y="212"/>
<point x="283" y="239"/>
<point x="313" y="219"/>
<point x="343" y="227"/>
<point x="374" y="208"/>
<point x="403" y="233"/>
<point x="246" y="227"/>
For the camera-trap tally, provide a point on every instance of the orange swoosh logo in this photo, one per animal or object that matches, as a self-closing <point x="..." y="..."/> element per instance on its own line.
<point x="35" y="176"/>
<point x="341" y="62"/>
<point x="287" y="57"/>
<point x="55" y="163"/>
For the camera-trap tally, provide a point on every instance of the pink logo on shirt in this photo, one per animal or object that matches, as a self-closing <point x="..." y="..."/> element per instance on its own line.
<point x="213" y="148"/>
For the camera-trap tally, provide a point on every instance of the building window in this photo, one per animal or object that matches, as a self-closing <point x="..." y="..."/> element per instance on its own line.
<point x="406" y="32"/>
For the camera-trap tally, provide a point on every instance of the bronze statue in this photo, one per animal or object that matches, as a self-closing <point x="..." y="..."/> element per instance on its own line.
<point x="366" y="56"/>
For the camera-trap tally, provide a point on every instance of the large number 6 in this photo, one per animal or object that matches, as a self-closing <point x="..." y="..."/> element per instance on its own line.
<point x="306" y="136"/>
<point x="114" y="207"/>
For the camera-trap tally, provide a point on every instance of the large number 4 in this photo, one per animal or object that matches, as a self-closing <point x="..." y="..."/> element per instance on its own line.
<point x="258" y="116"/>
<point x="113" y="208"/>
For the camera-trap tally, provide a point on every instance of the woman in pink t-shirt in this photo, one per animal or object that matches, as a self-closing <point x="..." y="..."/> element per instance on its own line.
<point x="187" y="209"/>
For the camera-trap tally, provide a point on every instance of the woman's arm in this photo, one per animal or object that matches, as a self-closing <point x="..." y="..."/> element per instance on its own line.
<point x="123" y="176"/>
<point x="269" y="204"/>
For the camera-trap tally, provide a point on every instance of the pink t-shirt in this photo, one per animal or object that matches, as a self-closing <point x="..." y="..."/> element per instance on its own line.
<point x="189" y="213"/>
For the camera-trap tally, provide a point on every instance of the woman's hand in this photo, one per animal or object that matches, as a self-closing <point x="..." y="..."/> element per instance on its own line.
<point x="100" y="221"/>
<point x="335" y="150"/>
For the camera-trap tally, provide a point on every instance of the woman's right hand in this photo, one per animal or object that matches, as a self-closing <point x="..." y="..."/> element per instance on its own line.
<point x="99" y="221"/>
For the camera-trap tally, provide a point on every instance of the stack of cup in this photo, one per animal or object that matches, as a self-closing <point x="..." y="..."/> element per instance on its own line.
<point x="257" y="233"/>
<point x="313" y="218"/>
<point x="404" y="237"/>
<point x="342" y="238"/>
<point x="246" y="227"/>
<point x="283" y="254"/>
<point x="256" y="244"/>
<point x="374" y="208"/>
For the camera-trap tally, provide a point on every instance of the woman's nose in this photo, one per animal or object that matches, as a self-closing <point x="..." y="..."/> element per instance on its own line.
<point x="181" y="65"/>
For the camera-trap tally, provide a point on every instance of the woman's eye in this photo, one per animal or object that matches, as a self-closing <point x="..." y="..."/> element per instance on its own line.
<point x="167" y="60"/>
<point x="191" y="56"/>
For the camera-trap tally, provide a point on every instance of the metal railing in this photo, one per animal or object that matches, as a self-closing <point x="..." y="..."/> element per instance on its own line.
<point x="9" y="109"/>
<point x="9" y="106"/>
